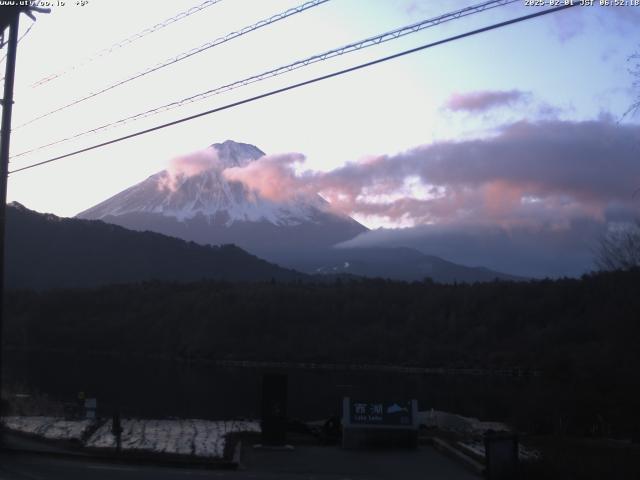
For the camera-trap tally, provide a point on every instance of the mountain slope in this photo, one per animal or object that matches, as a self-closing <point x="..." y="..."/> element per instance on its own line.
<point x="45" y="251"/>
<point x="194" y="201"/>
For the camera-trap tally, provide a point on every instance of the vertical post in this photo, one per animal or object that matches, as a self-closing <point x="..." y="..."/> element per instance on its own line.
<point x="274" y="409"/>
<point x="501" y="453"/>
<point x="5" y="134"/>
<point x="116" y="429"/>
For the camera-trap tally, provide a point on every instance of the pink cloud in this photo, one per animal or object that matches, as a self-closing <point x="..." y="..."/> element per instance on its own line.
<point x="529" y="174"/>
<point x="484" y="100"/>
<point x="271" y="176"/>
<point x="189" y="165"/>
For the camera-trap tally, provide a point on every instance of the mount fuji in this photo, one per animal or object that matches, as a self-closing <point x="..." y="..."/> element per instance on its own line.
<point x="196" y="201"/>
<point x="199" y="204"/>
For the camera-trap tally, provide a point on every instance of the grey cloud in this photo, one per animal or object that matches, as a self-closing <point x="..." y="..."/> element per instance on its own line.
<point x="531" y="199"/>
<point x="527" y="170"/>
<point x="530" y="252"/>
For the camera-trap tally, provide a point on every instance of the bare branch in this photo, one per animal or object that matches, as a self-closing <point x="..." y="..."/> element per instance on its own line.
<point x="620" y="249"/>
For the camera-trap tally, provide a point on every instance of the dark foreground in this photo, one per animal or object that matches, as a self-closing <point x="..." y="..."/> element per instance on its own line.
<point x="304" y="462"/>
<point x="579" y="334"/>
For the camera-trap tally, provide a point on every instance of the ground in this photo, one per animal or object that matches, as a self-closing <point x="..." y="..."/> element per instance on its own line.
<point x="305" y="462"/>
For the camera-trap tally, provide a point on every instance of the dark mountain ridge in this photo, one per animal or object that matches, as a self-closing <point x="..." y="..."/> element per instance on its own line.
<point x="46" y="251"/>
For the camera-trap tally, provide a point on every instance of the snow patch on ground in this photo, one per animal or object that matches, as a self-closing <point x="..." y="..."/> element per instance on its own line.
<point x="472" y="429"/>
<point x="201" y="438"/>
<point x="52" y="428"/>
<point x="458" y="423"/>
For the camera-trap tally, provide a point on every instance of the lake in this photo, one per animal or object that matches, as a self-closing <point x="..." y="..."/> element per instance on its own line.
<point x="160" y="388"/>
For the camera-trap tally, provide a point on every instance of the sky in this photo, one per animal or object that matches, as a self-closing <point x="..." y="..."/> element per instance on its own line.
<point x="509" y="149"/>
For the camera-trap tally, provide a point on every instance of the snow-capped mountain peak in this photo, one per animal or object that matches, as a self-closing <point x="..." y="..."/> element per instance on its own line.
<point x="195" y="185"/>
<point x="236" y="154"/>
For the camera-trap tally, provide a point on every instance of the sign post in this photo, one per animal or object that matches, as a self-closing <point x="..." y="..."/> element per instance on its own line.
<point x="379" y="423"/>
<point x="501" y="450"/>
<point x="90" y="407"/>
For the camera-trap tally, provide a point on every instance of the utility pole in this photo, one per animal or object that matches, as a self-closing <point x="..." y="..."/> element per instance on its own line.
<point x="5" y="136"/>
<point x="9" y="17"/>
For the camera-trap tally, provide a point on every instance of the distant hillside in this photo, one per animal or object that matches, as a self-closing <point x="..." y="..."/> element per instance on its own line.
<point x="46" y="251"/>
<point x="396" y="263"/>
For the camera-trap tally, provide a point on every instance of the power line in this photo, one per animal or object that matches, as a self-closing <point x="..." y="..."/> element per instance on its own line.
<point x="301" y="84"/>
<point x="130" y="39"/>
<point x="351" y="47"/>
<point x="185" y="55"/>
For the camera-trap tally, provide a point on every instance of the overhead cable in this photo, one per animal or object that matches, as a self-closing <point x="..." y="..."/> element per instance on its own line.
<point x="299" y="85"/>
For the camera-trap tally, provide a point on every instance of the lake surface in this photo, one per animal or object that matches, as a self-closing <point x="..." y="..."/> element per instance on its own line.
<point x="161" y="389"/>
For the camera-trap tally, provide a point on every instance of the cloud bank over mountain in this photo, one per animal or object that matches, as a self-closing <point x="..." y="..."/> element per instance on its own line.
<point x="527" y="174"/>
<point x="542" y="191"/>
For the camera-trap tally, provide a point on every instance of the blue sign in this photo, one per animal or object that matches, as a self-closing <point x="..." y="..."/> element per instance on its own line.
<point x="381" y="413"/>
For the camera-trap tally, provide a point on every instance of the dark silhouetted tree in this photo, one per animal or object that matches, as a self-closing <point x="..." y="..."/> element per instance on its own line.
<point x="634" y="70"/>
<point x="620" y="249"/>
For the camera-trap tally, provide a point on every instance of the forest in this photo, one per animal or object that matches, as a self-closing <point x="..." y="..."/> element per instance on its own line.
<point x="580" y="334"/>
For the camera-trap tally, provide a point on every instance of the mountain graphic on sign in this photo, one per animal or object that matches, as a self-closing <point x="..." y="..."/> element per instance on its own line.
<point x="395" y="408"/>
